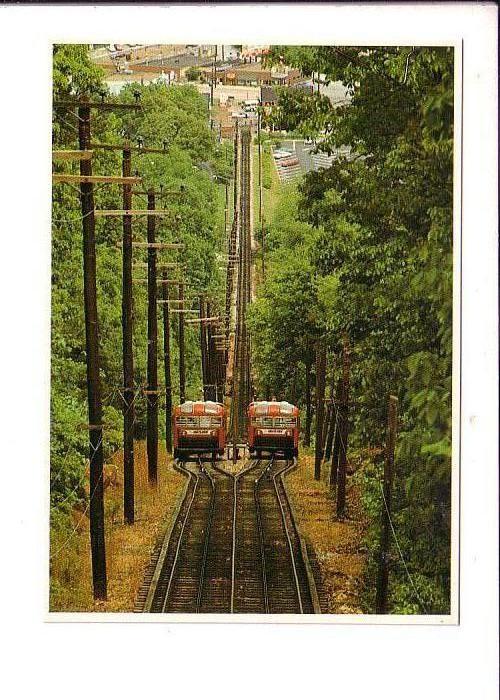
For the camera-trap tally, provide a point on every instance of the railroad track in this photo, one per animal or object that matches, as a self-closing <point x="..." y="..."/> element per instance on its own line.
<point x="234" y="546"/>
<point x="241" y="357"/>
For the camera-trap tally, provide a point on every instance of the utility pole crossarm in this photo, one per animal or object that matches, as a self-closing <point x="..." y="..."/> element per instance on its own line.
<point x="72" y="155"/>
<point x="106" y="106"/>
<point x="167" y="246"/>
<point x="209" y="319"/>
<point x="162" y="266"/>
<point x="131" y="212"/>
<point x="183" y="311"/>
<point x="94" y="179"/>
<point x="126" y="147"/>
<point x="173" y="301"/>
<point x="159" y="193"/>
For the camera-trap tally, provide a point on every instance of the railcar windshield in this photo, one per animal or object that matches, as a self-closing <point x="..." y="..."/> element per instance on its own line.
<point x="199" y="421"/>
<point x="279" y="422"/>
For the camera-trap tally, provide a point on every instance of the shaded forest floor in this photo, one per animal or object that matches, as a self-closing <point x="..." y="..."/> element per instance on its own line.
<point x="338" y="545"/>
<point x="128" y="547"/>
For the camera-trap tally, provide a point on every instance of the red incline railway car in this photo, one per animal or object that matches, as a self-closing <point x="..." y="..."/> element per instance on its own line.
<point x="198" y="427"/>
<point x="273" y="426"/>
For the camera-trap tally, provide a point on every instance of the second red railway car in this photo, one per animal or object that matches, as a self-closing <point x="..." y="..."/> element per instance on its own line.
<point x="199" y="427"/>
<point x="273" y="426"/>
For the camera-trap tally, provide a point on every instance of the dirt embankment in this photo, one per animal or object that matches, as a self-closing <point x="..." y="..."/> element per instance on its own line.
<point x="128" y="547"/>
<point x="337" y="545"/>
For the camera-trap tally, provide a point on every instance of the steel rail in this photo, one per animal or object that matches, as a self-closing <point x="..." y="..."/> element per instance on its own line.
<point x="156" y="578"/>
<point x="278" y="474"/>
<point x="201" y="579"/>
<point x="181" y="534"/>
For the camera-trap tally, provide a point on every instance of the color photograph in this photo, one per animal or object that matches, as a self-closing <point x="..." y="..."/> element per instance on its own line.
<point x="253" y="307"/>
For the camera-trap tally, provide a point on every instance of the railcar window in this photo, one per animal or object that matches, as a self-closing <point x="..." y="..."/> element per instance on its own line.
<point x="284" y="422"/>
<point x="199" y="421"/>
<point x="191" y="421"/>
<point x="272" y="422"/>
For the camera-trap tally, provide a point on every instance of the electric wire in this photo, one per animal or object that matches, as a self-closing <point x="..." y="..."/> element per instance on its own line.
<point x="400" y="552"/>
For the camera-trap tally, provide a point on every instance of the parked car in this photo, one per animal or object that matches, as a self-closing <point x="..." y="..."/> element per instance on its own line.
<point x="279" y="154"/>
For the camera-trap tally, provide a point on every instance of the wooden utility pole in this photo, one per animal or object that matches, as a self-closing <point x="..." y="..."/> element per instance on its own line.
<point x="307" y="427"/>
<point x="96" y="510"/>
<point x="86" y="180"/>
<point x="203" y="349"/>
<point x="320" y="407"/>
<point x="211" y="360"/>
<point x="336" y="434"/>
<point x="330" y="422"/>
<point x="152" y="390"/>
<point x="128" y="358"/>
<point x="182" y="365"/>
<point x="343" y="429"/>
<point x="166" y="356"/>
<point x="383" y="566"/>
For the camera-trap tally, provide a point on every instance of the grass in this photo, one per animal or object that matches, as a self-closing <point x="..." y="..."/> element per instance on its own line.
<point x="271" y="184"/>
<point x="271" y="187"/>
<point x="128" y="547"/>
<point x="337" y="544"/>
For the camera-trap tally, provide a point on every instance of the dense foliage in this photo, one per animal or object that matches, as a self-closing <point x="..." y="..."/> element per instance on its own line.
<point x="365" y="247"/>
<point x="177" y="118"/>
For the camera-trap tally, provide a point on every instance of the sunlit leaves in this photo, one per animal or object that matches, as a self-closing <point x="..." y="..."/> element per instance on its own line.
<point x="382" y="257"/>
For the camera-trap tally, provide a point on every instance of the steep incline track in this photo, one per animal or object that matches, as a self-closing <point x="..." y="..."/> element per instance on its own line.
<point x="240" y="359"/>
<point x="234" y="547"/>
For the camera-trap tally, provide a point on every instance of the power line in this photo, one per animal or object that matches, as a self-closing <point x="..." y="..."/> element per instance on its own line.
<point x="400" y="552"/>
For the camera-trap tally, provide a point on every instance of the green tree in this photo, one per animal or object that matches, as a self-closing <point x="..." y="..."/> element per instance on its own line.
<point x="382" y="260"/>
<point x="193" y="74"/>
<point x="179" y="115"/>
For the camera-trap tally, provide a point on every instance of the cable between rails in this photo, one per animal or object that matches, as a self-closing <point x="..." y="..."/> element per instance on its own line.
<point x="261" y="536"/>
<point x="236" y="478"/>
<point x="201" y="580"/>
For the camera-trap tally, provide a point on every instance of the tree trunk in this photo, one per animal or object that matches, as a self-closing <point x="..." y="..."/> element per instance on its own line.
<point x="307" y="427"/>
<point x="320" y="407"/>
